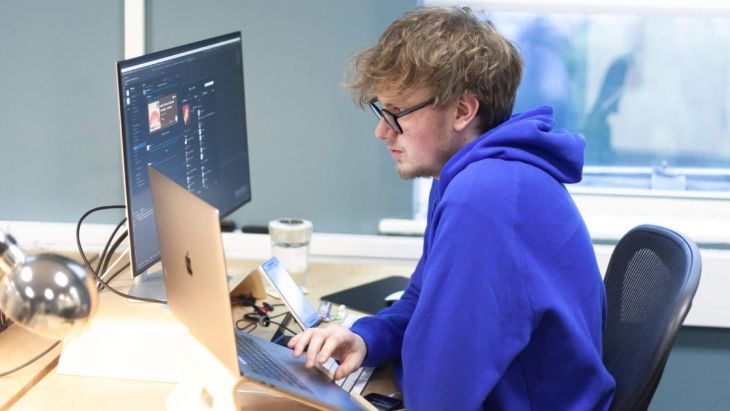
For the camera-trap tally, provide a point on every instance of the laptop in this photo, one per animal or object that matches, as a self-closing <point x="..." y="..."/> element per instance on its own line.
<point x="194" y="271"/>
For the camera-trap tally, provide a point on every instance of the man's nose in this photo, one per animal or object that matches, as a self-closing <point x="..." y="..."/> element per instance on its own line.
<point x="383" y="131"/>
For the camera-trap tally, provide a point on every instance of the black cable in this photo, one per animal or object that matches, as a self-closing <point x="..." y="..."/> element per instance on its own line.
<point x="119" y="271"/>
<point x="4" y="322"/>
<point x="96" y="275"/>
<point x="100" y="287"/>
<point x="111" y="252"/>
<point x="245" y="328"/>
<point x="282" y="326"/>
<point x="254" y="323"/>
<point x="279" y="315"/>
<point x="106" y="247"/>
<point x="2" y="374"/>
<point x="94" y="258"/>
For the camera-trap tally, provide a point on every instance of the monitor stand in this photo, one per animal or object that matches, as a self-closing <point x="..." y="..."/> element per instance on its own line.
<point x="149" y="285"/>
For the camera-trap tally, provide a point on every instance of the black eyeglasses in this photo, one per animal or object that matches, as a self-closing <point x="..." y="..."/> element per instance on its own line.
<point x="392" y="118"/>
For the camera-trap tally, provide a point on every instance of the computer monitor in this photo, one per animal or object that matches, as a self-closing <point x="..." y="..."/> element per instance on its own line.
<point x="182" y="110"/>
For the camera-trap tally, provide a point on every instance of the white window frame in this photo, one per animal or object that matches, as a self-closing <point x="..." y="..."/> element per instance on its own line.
<point x="134" y="28"/>
<point x="684" y="7"/>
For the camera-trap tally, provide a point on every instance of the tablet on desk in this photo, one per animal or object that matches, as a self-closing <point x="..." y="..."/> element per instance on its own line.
<point x="302" y="311"/>
<point x="369" y="298"/>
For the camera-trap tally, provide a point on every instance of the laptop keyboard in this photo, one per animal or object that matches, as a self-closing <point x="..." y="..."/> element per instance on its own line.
<point x="356" y="381"/>
<point x="261" y="362"/>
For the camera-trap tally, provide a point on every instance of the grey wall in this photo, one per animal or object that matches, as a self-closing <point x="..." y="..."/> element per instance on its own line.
<point x="697" y="373"/>
<point x="59" y="133"/>
<point x="313" y="154"/>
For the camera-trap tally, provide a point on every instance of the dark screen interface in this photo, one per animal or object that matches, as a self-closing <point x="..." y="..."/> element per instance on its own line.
<point x="183" y="112"/>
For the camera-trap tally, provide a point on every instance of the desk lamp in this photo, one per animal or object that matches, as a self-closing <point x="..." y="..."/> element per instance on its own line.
<point x="49" y="294"/>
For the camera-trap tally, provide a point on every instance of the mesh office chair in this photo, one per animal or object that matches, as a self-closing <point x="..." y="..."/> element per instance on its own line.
<point x="651" y="279"/>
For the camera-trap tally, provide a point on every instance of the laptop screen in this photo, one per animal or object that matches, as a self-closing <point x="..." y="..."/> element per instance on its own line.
<point x="303" y="312"/>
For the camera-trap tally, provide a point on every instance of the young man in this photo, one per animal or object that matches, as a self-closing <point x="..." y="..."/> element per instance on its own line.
<point x="506" y="306"/>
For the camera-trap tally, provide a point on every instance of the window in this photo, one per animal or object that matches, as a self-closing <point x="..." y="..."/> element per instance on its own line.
<point x="648" y="85"/>
<point x="649" y="92"/>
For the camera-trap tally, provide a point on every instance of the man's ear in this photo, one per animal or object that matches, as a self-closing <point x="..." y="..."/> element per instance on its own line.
<point x="467" y="107"/>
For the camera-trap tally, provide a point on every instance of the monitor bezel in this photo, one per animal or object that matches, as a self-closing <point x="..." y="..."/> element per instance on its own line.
<point x="123" y="64"/>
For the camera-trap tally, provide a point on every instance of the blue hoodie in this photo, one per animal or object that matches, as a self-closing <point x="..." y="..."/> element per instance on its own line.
<point x="505" y="309"/>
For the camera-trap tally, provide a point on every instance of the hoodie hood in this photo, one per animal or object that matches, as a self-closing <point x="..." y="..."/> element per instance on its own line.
<point x="527" y="137"/>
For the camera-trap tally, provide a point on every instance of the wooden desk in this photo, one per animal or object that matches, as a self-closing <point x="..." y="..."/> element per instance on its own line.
<point x="18" y="345"/>
<point x="55" y="391"/>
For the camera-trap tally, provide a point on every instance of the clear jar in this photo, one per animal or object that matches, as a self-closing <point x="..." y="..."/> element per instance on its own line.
<point x="290" y="239"/>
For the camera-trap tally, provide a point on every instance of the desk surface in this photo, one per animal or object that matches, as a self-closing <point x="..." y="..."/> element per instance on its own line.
<point x="54" y="390"/>
<point x="17" y="346"/>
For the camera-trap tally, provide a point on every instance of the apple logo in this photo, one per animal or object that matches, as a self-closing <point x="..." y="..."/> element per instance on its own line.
<point x="188" y="263"/>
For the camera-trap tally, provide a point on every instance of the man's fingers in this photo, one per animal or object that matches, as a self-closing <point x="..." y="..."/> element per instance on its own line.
<point x="320" y="344"/>
<point x="332" y="343"/>
<point x="350" y="363"/>
<point x="293" y="341"/>
<point x="301" y="343"/>
<point x="315" y="344"/>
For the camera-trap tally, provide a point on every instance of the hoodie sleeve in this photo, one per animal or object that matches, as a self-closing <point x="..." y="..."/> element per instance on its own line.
<point x="473" y="316"/>
<point x="383" y="333"/>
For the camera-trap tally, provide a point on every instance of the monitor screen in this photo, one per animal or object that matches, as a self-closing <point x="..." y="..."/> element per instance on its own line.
<point x="182" y="111"/>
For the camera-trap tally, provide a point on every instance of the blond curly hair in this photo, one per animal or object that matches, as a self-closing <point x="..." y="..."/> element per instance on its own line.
<point x="447" y="50"/>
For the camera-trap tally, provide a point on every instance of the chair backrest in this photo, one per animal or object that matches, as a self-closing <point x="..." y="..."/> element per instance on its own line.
<point x="651" y="280"/>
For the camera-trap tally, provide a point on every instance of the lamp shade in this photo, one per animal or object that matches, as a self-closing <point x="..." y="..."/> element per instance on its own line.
<point x="50" y="294"/>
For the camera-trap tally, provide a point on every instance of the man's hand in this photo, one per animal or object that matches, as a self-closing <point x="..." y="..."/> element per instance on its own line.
<point x="334" y="341"/>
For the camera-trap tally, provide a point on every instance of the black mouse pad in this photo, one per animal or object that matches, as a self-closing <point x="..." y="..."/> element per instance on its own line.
<point x="369" y="298"/>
